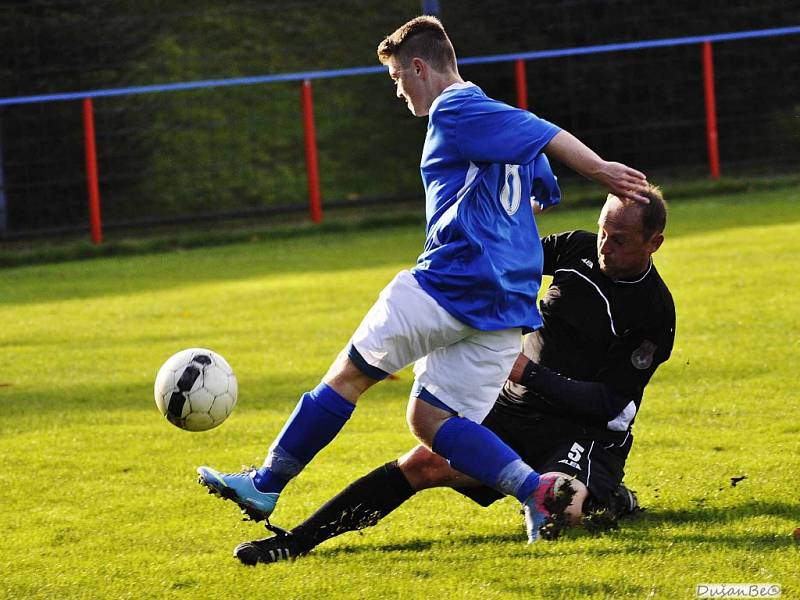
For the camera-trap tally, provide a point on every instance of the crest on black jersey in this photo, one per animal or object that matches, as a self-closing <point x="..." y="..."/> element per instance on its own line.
<point x="642" y="357"/>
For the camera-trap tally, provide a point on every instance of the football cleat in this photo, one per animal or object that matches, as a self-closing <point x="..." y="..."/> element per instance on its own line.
<point x="283" y="546"/>
<point x="239" y="488"/>
<point x="623" y="501"/>
<point x="534" y="509"/>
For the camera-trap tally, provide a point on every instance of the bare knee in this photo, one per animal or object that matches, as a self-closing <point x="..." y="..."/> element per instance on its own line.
<point x="425" y="469"/>
<point x="424" y="420"/>
<point x="573" y="512"/>
<point x="347" y="379"/>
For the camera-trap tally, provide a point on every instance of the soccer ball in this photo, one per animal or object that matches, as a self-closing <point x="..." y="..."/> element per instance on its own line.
<point x="196" y="389"/>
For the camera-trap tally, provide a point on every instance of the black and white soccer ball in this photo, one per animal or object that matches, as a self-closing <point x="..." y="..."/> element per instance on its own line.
<point x="196" y="389"/>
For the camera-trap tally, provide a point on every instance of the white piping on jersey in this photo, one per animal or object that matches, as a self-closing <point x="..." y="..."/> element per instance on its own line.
<point x="472" y="173"/>
<point x="589" y="464"/>
<point x="623" y="420"/>
<point x="622" y="443"/>
<point x="458" y="86"/>
<point x="455" y="86"/>
<point x="608" y="304"/>
<point x="646" y="273"/>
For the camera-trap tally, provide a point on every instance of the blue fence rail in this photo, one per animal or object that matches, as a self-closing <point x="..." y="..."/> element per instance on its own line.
<point x="349" y="72"/>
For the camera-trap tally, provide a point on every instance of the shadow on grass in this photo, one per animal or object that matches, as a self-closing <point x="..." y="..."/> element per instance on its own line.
<point x="410" y="546"/>
<point x="419" y="545"/>
<point x="705" y="515"/>
<point x="514" y="538"/>
<point x="644" y="532"/>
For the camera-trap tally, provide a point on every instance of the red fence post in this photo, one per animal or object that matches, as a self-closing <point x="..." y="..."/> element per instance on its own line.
<point x="91" y="171"/>
<point x="522" y="84"/>
<point x="711" y="110"/>
<point x="312" y="168"/>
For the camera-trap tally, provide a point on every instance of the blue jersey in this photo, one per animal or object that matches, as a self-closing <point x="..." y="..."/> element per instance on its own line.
<point x="481" y="164"/>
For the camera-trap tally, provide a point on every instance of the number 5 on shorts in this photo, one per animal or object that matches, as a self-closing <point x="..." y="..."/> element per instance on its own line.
<point x="576" y="452"/>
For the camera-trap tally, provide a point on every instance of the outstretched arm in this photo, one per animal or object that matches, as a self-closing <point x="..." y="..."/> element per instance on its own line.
<point x="570" y="397"/>
<point x="619" y="179"/>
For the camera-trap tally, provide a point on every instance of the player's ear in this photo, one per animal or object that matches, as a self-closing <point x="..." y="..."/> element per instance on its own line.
<point x="655" y="242"/>
<point x="419" y="68"/>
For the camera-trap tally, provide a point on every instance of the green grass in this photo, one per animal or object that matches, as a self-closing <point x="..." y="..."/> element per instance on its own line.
<point x="97" y="489"/>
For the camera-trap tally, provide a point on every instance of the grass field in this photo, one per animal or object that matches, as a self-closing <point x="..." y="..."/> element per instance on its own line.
<point x="98" y="491"/>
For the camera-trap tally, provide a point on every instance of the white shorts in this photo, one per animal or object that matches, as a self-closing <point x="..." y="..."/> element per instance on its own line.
<point x="458" y="366"/>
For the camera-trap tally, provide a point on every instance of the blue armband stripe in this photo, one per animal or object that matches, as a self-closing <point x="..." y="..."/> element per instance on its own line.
<point x="363" y="366"/>
<point x="420" y="392"/>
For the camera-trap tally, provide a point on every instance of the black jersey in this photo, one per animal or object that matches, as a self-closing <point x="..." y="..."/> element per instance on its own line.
<point x="614" y="333"/>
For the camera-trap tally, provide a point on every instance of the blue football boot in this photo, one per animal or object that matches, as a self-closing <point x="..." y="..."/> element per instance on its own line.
<point x="240" y="488"/>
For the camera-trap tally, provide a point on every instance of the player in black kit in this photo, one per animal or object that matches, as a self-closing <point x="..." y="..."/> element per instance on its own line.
<point x="574" y="392"/>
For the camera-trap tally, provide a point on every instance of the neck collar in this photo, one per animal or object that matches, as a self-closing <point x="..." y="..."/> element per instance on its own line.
<point x="637" y="278"/>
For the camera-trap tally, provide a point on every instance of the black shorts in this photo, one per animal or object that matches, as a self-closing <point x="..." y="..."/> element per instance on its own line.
<point x="548" y="443"/>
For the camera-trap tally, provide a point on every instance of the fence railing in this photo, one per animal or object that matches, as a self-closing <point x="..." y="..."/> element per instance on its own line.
<point x="519" y="60"/>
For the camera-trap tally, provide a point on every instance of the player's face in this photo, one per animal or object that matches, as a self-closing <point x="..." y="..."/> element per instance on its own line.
<point x="623" y="250"/>
<point x="410" y="86"/>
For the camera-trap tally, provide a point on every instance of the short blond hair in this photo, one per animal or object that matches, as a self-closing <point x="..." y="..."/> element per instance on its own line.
<point x="423" y="37"/>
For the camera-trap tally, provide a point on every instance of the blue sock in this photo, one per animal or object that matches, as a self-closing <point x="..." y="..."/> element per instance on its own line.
<point x="317" y="419"/>
<point x="476" y="451"/>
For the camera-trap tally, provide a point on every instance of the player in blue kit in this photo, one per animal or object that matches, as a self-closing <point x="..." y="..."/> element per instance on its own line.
<point x="459" y="313"/>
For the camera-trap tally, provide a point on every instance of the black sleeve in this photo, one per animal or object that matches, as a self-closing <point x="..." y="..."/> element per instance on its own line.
<point x="549" y="248"/>
<point x="586" y="400"/>
<point x="560" y="248"/>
